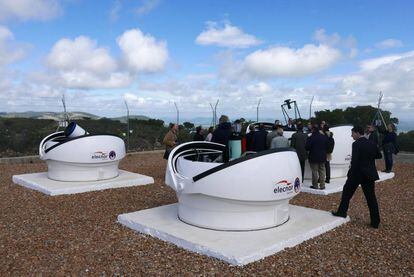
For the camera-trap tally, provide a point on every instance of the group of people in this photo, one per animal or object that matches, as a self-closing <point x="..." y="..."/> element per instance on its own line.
<point x="315" y="143"/>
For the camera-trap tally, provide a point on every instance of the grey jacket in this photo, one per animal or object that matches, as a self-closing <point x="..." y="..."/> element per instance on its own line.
<point x="269" y="138"/>
<point x="279" y="142"/>
<point x="298" y="142"/>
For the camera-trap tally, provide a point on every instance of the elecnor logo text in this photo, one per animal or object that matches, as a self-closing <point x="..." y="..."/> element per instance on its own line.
<point x="283" y="186"/>
<point x="99" y="155"/>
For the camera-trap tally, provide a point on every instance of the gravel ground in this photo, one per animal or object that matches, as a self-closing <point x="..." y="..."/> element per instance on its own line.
<point x="78" y="234"/>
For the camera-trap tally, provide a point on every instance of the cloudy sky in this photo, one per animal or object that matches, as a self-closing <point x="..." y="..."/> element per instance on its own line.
<point x="152" y="53"/>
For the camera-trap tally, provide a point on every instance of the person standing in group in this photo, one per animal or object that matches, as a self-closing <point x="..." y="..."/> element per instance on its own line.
<point x="371" y="135"/>
<point x="309" y="128"/>
<point x="279" y="141"/>
<point x="210" y="134"/>
<point x="290" y="126"/>
<point x="259" y="139"/>
<point x="249" y="138"/>
<point x="298" y="142"/>
<point x="317" y="145"/>
<point x="329" y="150"/>
<point x="222" y="135"/>
<point x="362" y="171"/>
<point x="389" y="146"/>
<point x="271" y="135"/>
<point x="198" y="136"/>
<point x="170" y="140"/>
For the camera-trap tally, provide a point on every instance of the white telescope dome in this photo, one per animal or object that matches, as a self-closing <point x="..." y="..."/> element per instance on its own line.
<point x="247" y="193"/>
<point x="75" y="155"/>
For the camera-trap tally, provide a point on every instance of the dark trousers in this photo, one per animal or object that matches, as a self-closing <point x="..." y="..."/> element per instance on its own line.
<point x="328" y="171"/>
<point x="368" y="187"/>
<point x="388" y="160"/>
<point x="302" y="167"/>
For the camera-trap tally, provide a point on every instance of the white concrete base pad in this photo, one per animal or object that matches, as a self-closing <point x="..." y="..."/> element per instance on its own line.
<point x="237" y="248"/>
<point x="40" y="182"/>
<point x="337" y="184"/>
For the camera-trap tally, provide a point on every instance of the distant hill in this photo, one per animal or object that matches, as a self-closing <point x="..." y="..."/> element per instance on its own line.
<point x="405" y="125"/>
<point x="123" y="119"/>
<point x="50" y="115"/>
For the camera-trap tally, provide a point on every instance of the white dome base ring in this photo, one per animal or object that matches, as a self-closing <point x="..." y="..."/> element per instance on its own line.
<point x="75" y="172"/>
<point x="232" y="215"/>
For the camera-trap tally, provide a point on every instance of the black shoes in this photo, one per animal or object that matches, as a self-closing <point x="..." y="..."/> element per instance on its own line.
<point x="312" y="187"/>
<point x="375" y="225"/>
<point x="338" y="214"/>
<point x="327" y="181"/>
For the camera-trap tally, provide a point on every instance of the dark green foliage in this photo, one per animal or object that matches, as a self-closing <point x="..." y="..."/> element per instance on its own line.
<point x="146" y="134"/>
<point x="360" y="115"/>
<point x="22" y="136"/>
<point x="188" y="125"/>
<point x="184" y="134"/>
<point x="406" y="141"/>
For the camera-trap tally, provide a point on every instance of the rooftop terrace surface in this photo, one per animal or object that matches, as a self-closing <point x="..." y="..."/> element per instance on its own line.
<point x="79" y="234"/>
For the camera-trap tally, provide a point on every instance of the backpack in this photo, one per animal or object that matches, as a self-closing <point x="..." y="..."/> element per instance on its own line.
<point x="331" y="144"/>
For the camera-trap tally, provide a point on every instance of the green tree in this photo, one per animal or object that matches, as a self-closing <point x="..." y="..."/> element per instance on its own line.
<point x="406" y="141"/>
<point x="188" y="125"/>
<point x="360" y="115"/>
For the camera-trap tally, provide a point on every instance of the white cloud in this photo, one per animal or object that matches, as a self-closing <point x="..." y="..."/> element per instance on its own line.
<point x="115" y="10"/>
<point x="147" y="6"/>
<point x="227" y="36"/>
<point x="393" y="75"/>
<point x="134" y="100"/>
<point x="372" y="64"/>
<point x="288" y="62"/>
<point x="335" y="40"/>
<point x="142" y="53"/>
<point x="321" y="36"/>
<point x="260" y="88"/>
<point x="29" y="9"/>
<point x="389" y="43"/>
<point x="80" y="63"/>
<point x="10" y="50"/>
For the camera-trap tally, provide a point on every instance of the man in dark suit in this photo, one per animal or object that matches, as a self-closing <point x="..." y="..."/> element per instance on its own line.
<point x="249" y="138"/>
<point x="259" y="139"/>
<point x="298" y="142"/>
<point x="317" y="145"/>
<point x="371" y="134"/>
<point x="362" y="171"/>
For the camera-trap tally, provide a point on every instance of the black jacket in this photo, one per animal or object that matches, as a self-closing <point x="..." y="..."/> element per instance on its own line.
<point x="249" y="141"/>
<point x="259" y="140"/>
<point x="389" y="142"/>
<point x="317" y="145"/>
<point x="222" y="134"/>
<point x="198" y="137"/>
<point x="364" y="153"/>
<point x="373" y="137"/>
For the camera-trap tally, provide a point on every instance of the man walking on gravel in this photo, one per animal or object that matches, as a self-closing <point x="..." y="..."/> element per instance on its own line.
<point x="362" y="171"/>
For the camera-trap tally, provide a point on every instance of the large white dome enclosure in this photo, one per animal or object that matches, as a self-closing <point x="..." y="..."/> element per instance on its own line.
<point x="75" y="155"/>
<point x="247" y="193"/>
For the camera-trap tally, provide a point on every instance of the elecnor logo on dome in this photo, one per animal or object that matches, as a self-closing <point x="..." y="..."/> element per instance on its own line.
<point x="297" y="184"/>
<point x="283" y="186"/>
<point x="99" y="155"/>
<point x="112" y="155"/>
